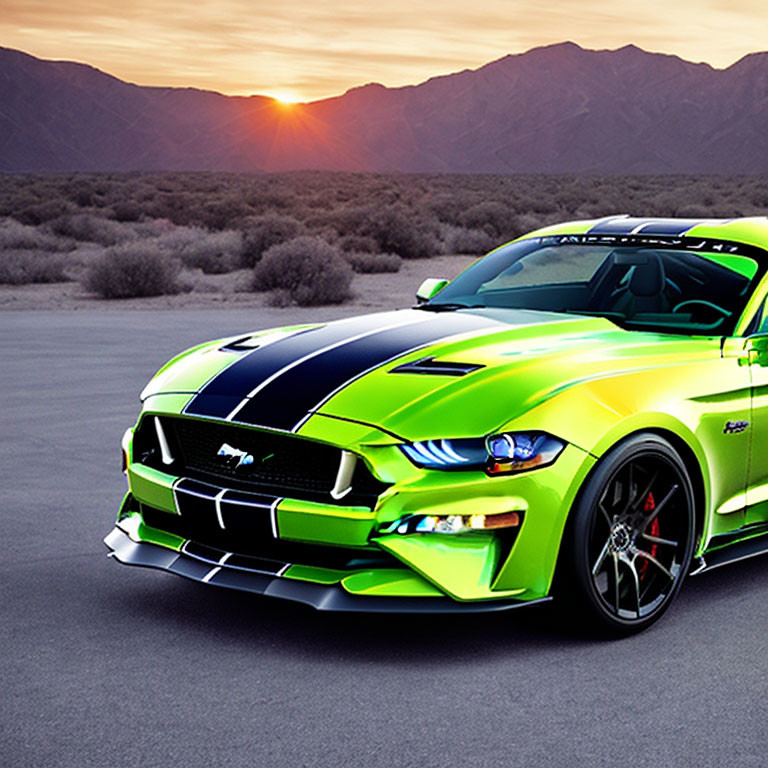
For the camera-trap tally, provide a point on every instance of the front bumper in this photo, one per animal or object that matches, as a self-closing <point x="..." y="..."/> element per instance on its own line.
<point x="323" y="597"/>
<point x="485" y="568"/>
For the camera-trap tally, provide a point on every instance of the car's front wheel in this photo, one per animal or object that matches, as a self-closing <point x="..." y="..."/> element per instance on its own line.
<point x="630" y="539"/>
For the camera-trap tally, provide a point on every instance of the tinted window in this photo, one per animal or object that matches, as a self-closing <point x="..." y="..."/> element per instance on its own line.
<point x="636" y="286"/>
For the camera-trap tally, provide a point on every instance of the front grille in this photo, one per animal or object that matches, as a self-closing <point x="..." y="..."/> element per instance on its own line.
<point x="283" y="465"/>
<point x="249" y="533"/>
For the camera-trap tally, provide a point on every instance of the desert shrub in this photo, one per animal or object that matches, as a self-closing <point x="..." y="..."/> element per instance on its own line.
<point x="149" y="228"/>
<point x="220" y="214"/>
<point x="395" y="228"/>
<point x="14" y="235"/>
<point x="329" y="234"/>
<point x="694" y="211"/>
<point x="167" y="206"/>
<point x="449" y="207"/>
<point x="260" y="233"/>
<point x="545" y="201"/>
<point x="318" y="221"/>
<point x="372" y="263"/>
<point x="526" y="223"/>
<point x="265" y="199"/>
<point x="758" y="196"/>
<point x="280" y="298"/>
<point x="213" y="252"/>
<point x="19" y="267"/>
<point x="81" y="192"/>
<point x="126" y="211"/>
<point x="666" y="203"/>
<point x="407" y="214"/>
<point x="91" y="228"/>
<point x="471" y="241"/>
<point x="358" y="244"/>
<point x="596" y="210"/>
<point x="133" y="269"/>
<point x="310" y="270"/>
<point x="496" y="219"/>
<point x="409" y="235"/>
<point x="40" y="213"/>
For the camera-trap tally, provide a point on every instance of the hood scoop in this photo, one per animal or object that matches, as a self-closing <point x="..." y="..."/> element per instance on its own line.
<point x="246" y="344"/>
<point x="428" y="366"/>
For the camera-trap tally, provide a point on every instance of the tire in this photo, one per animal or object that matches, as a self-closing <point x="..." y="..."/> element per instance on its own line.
<point x="630" y="536"/>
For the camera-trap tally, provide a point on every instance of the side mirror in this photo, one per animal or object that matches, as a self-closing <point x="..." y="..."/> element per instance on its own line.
<point x="430" y="288"/>
<point x="752" y="350"/>
<point x="758" y="346"/>
<point x="758" y="341"/>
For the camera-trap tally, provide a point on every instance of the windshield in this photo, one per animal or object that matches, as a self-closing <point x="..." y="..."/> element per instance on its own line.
<point x="696" y="287"/>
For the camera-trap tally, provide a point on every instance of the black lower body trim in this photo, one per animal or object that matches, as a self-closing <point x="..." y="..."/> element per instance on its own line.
<point x="740" y="550"/>
<point x="323" y="597"/>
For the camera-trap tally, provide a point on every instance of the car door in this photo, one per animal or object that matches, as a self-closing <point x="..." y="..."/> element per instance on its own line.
<point x="721" y="398"/>
<point x="756" y="353"/>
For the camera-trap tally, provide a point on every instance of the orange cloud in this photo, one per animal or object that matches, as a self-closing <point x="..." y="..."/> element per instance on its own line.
<point x="312" y="49"/>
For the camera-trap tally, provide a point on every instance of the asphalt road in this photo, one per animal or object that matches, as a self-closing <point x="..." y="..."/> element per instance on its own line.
<point x="103" y="665"/>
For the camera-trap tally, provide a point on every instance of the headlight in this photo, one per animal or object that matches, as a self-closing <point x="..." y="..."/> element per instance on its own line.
<point x="519" y="451"/>
<point x="497" y="454"/>
<point x="448" y="454"/>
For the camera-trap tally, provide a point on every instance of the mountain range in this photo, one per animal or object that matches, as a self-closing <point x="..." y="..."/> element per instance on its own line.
<point x="554" y="109"/>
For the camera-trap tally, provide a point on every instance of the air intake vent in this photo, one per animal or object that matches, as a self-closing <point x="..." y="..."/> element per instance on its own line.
<point x="246" y="344"/>
<point x="428" y="366"/>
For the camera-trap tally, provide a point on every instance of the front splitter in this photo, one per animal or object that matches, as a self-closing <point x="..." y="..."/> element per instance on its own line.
<point x="323" y="597"/>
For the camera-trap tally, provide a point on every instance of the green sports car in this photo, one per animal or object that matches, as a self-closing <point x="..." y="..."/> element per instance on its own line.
<point x="579" y="414"/>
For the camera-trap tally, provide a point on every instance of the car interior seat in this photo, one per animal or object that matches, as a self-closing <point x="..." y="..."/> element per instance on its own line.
<point x="645" y="290"/>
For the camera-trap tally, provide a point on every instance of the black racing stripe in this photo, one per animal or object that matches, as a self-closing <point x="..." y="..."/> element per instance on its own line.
<point x="627" y="225"/>
<point x="622" y="225"/>
<point x="214" y="406"/>
<point x="286" y="400"/>
<point x="223" y="393"/>
<point x="669" y="226"/>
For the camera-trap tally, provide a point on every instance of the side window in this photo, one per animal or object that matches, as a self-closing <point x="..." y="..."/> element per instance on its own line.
<point x="762" y="326"/>
<point x="759" y="323"/>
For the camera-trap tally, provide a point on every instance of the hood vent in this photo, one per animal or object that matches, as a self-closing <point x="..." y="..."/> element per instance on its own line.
<point x="246" y="344"/>
<point x="428" y="366"/>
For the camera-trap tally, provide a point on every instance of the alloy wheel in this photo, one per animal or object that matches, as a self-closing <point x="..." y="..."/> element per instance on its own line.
<point x="639" y="542"/>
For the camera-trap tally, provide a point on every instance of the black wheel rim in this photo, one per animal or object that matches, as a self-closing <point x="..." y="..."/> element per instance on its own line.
<point x="640" y="536"/>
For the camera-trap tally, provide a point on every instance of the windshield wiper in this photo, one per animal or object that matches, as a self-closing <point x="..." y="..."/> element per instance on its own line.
<point x="448" y="307"/>
<point x="612" y="316"/>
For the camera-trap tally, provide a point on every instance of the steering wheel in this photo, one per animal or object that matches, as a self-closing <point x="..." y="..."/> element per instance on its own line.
<point x="707" y="304"/>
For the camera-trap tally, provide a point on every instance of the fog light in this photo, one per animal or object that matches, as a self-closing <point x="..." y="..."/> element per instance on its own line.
<point x="453" y="523"/>
<point x="492" y="522"/>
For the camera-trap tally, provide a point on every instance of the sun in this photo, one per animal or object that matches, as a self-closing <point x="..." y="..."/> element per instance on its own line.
<point x="285" y="98"/>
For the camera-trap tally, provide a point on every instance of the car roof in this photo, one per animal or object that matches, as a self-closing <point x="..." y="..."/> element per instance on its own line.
<point x="750" y="231"/>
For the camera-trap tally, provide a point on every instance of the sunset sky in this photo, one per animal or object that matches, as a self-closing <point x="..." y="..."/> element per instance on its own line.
<point x="307" y="49"/>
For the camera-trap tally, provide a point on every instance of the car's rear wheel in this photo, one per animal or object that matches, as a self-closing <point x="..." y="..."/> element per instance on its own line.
<point x="630" y="539"/>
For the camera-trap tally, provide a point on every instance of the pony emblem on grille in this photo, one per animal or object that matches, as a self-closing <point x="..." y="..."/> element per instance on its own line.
<point x="234" y="457"/>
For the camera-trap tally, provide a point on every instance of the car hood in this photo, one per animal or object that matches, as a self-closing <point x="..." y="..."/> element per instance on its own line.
<point x="534" y="358"/>
<point x="416" y="374"/>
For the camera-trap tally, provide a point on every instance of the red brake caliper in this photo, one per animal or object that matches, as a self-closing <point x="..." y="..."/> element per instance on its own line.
<point x="649" y="506"/>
